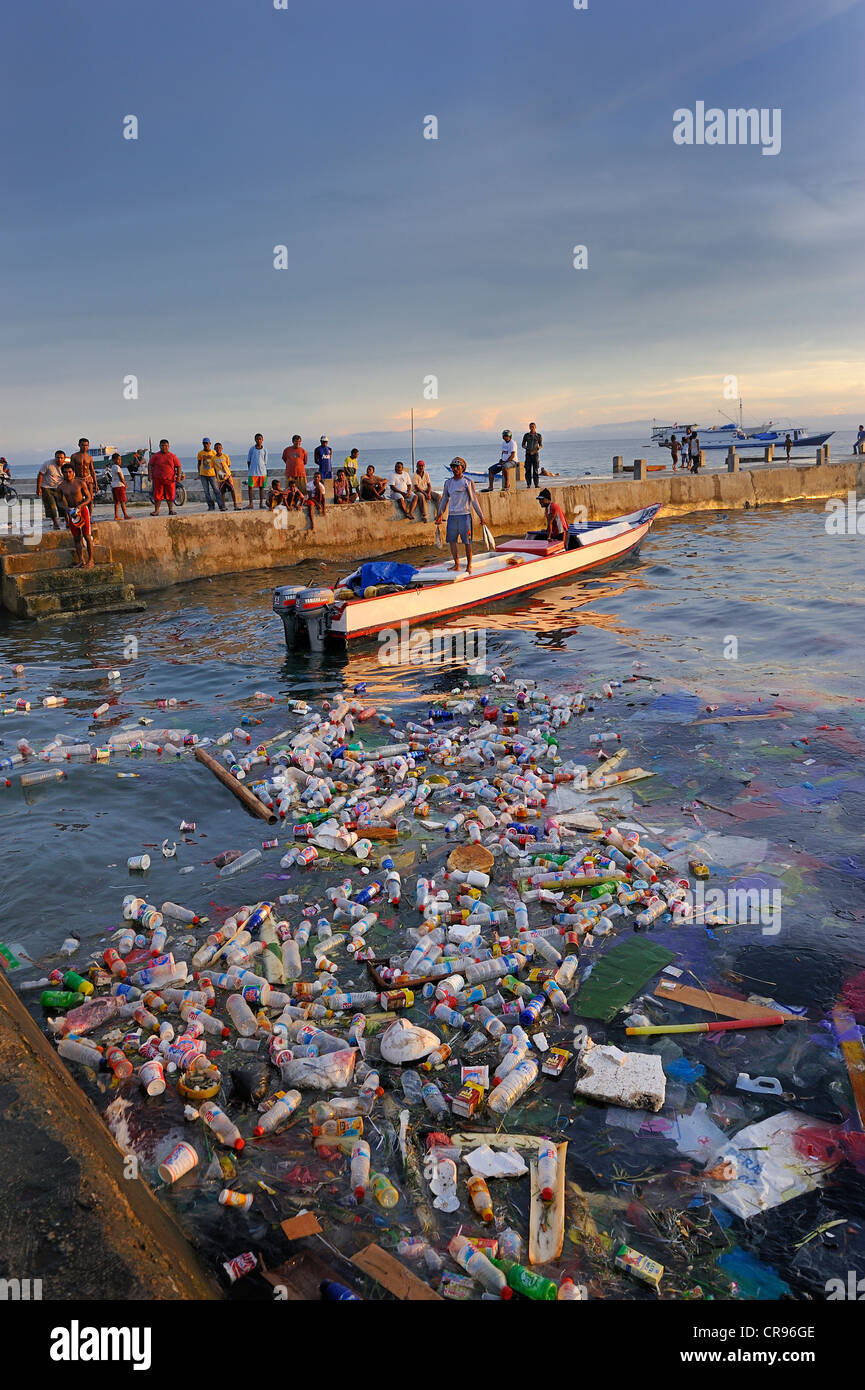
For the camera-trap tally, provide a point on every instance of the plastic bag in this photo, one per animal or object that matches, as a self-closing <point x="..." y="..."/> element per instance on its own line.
<point x="331" y="1072"/>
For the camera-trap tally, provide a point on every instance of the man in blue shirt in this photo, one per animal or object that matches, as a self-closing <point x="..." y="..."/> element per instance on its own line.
<point x="256" y="466"/>
<point x="324" y="459"/>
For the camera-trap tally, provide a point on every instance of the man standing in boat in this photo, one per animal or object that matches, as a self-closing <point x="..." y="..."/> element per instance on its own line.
<point x="532" y="443"/>
<point x="458" y="499"/>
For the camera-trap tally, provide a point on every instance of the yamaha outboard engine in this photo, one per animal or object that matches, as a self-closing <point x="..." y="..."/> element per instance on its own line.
<point x="311" y="607"/>
<point x="285" y="605"/>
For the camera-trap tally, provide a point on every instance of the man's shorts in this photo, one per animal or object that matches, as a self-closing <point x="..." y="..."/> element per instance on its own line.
<point x="255" y="481"/>
<point x="119" y="493"/>
<point x="459" y="529"/>
<point x="163" y="491"/>
<point x="78" y="519"/>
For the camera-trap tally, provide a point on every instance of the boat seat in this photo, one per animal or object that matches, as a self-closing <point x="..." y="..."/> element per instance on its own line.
<point x="532" y="546"/>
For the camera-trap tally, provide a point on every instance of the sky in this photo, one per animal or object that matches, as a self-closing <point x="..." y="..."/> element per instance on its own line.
<point x="411" y="259"/>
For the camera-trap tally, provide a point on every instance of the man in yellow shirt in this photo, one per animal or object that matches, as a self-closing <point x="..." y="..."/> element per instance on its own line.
<point x="351" y="467"/>
<point x="207" y="474"/>
<point x="222" y="467"/>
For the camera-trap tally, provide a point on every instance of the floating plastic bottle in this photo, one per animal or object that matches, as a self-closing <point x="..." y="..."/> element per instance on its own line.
<point x="548" y="1168"/>
<point x="42" y="777"/>
<point x="479" y="1267"/>
<point x="480" y="1198"/>
<point x="513" y="1087"/>
<point x="225" y="1130"/>
<point x="526" y="1281"/>
<point x="279" y="1113"/>
<point x="383" y="1190"/>
<point x="245" y="861"/>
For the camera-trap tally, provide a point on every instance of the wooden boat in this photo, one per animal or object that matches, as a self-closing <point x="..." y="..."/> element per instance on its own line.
<point x="435" y="591"/>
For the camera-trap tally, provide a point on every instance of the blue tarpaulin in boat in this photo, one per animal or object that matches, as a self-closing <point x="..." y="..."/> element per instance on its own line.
<point x="380" y="572"/>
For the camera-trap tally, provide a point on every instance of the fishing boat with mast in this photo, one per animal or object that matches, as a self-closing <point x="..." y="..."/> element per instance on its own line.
<point x="736" y="434"/>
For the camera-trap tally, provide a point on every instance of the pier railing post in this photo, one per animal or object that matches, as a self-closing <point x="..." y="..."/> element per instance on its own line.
<point x="732" y="461"/>
<point x="826" y="448"/>
<point x="768" y="453"/>
<point x="617" y="463"/>
<point x="639" y="470"/>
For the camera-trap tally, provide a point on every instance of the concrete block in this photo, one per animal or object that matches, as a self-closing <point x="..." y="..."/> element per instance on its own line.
<point x="768" y="453"/>
<point x="639" y="470"/>
<point x="732" y="461"/>
<point x="617" y="463"/>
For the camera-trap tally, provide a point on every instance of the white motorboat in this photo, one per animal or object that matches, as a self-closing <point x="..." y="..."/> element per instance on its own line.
<point x="359" y="609"/>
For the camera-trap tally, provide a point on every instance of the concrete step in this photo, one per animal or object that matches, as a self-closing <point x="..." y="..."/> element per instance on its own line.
<point x="115" y="598"/>
<point x="71" y="581"/>
<point x="34" y="558"/>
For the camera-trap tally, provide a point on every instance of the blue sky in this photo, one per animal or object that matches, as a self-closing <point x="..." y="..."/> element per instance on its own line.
<point x="411" y="257"/>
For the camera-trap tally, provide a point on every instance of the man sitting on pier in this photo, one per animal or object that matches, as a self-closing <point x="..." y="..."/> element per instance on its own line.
<point x="77" y="498"/>
<point x="371" y="486"/>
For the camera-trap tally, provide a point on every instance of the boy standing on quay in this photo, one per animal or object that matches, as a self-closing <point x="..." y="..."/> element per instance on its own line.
<point x="256" y="468"/>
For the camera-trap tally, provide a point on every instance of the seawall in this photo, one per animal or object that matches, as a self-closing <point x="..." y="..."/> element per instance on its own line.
<point x="156" y="552"/>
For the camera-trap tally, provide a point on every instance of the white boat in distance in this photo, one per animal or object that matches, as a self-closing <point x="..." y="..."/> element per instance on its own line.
<point x="725" y="436"/>
<point x="435" y="591"/>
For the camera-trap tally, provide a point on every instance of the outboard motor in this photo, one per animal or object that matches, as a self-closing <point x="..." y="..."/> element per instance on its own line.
<point x="285" y="605"/>
<point x="311" y="608"/>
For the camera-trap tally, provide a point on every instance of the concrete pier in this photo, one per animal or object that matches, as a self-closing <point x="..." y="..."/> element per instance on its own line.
<point x="69" y="1218"/>
<point x="156" y="552"/>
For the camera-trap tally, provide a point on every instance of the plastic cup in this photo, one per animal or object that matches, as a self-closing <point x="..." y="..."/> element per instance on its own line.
<point x="138" y="861"/>
<point x="152" y="1077"/>
<point x="182" y="1159"/>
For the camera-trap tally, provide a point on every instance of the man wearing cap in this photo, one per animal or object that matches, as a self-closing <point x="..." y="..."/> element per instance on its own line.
<point x="557" y="526"/>
<point x="532" y="443"/>
<point x="324" y="459"/>
<point x="458" y="499"/>
<point x="507" y="460"/>
<point x="207" y="474"/>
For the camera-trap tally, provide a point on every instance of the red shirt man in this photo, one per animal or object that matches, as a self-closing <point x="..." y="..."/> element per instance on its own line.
<point x="164" y="472"/>
<point x="557" y="525"/>
<point x="294" y="458"/>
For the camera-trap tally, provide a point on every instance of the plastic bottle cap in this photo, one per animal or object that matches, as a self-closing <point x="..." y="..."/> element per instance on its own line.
<point x="547" y="1194"/>
<point x="239" y="1144"/>
<point x="360" y="1193"/>
<point x="507" y="1292"/>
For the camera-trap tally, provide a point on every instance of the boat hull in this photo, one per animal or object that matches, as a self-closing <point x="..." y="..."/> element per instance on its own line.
<point x="366" y="617"/>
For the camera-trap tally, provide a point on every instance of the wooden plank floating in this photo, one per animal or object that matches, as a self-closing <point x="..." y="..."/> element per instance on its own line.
<point x="392" y="1275"/>
<point x="723" y="1004"/>
<point x="242" y="793"/>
